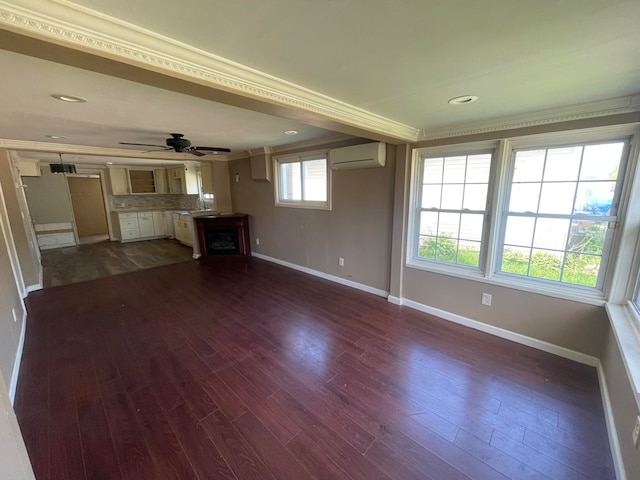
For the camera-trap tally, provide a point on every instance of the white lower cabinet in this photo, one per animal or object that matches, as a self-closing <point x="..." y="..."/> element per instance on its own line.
<point x="184" y="229"/>
<point x="141" y="225"/>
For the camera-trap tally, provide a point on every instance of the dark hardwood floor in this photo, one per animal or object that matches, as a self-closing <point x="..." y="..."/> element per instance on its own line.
<point x="62" y="266"/>
<point x="248" y="370"/>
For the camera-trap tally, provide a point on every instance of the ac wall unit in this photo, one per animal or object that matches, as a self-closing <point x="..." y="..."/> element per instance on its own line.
<point x="367" y="155"/>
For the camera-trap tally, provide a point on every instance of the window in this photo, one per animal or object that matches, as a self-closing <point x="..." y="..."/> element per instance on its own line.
<point x="536" y="213"/>
<point x="452" y="207"/>
<point x="560" y="209"/>
<point x="303" y="181"/>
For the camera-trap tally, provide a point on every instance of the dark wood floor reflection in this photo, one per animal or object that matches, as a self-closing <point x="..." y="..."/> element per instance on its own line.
<point x="62" y="266"/>
<point x="248" y="370"/>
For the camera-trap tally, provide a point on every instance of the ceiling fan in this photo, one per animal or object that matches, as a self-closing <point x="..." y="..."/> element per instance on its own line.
<point x="178" y="143"/>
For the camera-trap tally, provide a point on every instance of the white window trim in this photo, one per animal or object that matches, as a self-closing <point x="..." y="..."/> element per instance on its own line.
<point x="300" y="157"/>
<point x="499" y="180"/>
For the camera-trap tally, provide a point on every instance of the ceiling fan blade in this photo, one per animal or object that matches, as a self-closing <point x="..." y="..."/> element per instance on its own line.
<point x="193" y="151"/>
<point x="143" y="145"/>
<point x="213" y="149"/>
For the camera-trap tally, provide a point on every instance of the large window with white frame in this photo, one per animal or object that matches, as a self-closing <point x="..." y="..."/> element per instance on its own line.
<point x="303" y="181"/>
<point x="538" y="213"/>
<point x="561" y="211"/>
<point x="452" y="206"/>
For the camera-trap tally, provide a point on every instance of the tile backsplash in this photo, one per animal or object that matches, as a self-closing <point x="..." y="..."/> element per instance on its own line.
<point x="147" y="202"/>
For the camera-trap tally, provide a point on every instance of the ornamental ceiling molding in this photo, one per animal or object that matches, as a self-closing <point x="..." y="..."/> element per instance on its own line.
<point x="105" y="36"/>
<point x="614" y="106"/>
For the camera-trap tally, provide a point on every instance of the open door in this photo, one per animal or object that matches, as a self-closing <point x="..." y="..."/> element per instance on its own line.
<point x="89" y="211"/>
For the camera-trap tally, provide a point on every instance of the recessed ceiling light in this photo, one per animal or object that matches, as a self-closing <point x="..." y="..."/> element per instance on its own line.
<point x="69" y="98"/>
<point x="55" y="136"/>
<point x="290" y="132"/>
<point x="463" y="99"/>
<point x="109" y="163"/>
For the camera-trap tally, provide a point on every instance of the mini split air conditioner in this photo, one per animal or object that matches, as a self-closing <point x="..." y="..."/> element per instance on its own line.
<point x="367" y="155"/>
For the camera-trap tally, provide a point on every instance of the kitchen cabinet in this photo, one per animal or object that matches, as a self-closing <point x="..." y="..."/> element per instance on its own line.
<point x="183" y="180"/>
<point x="145" y="220"/>
<point x="142" y="181"/>
<point x="129" y="226"/>
<point x="160" y="176"/>
<point x="159" y="224"/>
<point x="141" y="225"/>
<point x="119" y="181"/>
<point x="183" y="225"/>
<point x="207" y="178"/>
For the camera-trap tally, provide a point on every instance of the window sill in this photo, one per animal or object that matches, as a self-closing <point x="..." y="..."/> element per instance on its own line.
<point x="552" y="290"/>
<point x="310" y="206"/>
<point x="625" y="324"/>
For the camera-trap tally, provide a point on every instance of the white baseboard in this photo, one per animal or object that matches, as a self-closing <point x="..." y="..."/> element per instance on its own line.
<point x="16" y="363"/>
<point x="326" y="276"/>
<point x="394" y="300"/>
<point x="614" y="441"/>
<point x="34" y="288"/>
<point x="507" y="334"/>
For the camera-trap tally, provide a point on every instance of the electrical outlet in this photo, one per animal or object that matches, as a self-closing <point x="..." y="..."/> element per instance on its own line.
<point x="257" y="241"/>
<point x="341" y="262"/>
<point x="636" y="432"/>
<point x="486" y="299"/>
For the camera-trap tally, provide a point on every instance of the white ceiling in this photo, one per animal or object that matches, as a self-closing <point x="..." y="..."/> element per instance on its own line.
<point x="401" y="60"/>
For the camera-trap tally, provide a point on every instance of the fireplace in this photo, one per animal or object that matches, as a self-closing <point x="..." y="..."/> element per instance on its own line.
<point x="223" y="235"/>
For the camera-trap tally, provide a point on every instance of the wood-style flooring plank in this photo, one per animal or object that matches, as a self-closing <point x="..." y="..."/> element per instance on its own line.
<point x="240" y="370"/>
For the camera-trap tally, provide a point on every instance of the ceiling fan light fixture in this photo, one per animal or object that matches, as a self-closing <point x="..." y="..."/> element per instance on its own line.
<point x="69" y="98"/>
<point x="463" y="99"/>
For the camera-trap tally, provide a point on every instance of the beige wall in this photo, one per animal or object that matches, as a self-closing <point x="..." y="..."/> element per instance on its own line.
<point x="19" y="221"/>
<point x="358" y="228"/>
<point x="48" y="197"/>
<point x="13" y="454"/>
<point x="221" y="186"/>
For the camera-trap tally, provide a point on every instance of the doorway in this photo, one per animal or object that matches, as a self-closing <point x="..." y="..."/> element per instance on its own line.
<point x="87" y="201"/>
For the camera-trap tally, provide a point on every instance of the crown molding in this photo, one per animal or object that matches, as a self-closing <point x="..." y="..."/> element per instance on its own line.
<point x="64" y="23"/>
<point x="70" y="149"/>
<point x="613" y="106"/>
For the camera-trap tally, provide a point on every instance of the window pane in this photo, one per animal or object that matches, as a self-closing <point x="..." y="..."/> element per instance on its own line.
<point x="471" y="226"/>
<point x="516" y="260"/>
<point x="315" y="180"/>
<point x="528" y="166"/>
<point x="546" y="264"/>
<point x="587" y="236"/>
<point x="601" y="162"/>
<point x="557" y="197"/>
<point x="595" y="198"/>
<point x="429" y="223"/>
<point x="432" y="170"/>
<point x="469" y="253"/>
<point x="524" y="197"/>
<point x="478" y="168"/>
<point x="290" y="182"/>
<point x="427" y="247"/>
<point x="581" y="269"/>
<point x="551" y="233"/>
<point x="446" y="249"/>
<point x="562" y="164"/>
<point x="452" y="197"/>
<point x="519" y="231"/>
<point x="448" y="225"/>
<point x="431" y="195"/>
<point x="475" y="197"/>
<point x="454" y="169"/>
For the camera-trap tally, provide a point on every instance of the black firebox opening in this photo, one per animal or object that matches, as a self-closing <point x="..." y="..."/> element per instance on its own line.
<point x="222" y="242"/>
